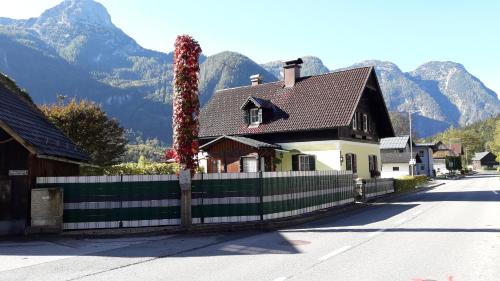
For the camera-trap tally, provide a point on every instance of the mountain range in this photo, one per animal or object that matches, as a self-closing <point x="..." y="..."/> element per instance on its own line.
<point x="75" y="50"/>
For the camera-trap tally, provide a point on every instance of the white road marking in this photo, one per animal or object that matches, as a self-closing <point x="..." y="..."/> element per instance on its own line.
<point x="376" y="233"/>
<point x="400" y="221"/>
<point x="334" y="253"/>
<point x="280" y="279"/>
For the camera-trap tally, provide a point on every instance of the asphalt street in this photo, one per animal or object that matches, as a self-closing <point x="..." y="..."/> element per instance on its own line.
<point x="449" y="233"/>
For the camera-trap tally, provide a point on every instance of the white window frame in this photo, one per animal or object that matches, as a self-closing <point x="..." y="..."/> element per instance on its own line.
<point x="246" y="165"/>
<point x="352" y="159"/>
<point x="365" y="122"/>
<point x="305" y="161"/>
<point x="255" y="116"/>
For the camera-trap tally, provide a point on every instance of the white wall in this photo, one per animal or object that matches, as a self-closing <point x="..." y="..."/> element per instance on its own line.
<point x="387" y="170"/>
<point x="328" y="154"/>
<point x="440" y="166"/>
<point x="202" y="161"/>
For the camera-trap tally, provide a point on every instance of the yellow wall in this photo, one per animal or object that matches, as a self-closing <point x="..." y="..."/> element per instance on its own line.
<point x="328" y="154"/>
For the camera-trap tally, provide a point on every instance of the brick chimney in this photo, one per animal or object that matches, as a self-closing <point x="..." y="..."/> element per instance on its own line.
<point x="292" y="72"/>
<point x="256" y="79"/>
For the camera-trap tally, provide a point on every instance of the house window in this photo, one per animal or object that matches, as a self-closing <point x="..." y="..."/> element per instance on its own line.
<point x="304" y="162"/>
<point x="422" y="167"/>
<point x="395" y="169"/>
<point x="249" y="164"/>
<point x="216" y="166"/>
<point x="350" y="162"/>
<point x="355" y="121"/>
<point x="255" y="116"/>
<point x="365" y="122"/>
<point x="421" y="153"/>
<point x="372" y="163"/>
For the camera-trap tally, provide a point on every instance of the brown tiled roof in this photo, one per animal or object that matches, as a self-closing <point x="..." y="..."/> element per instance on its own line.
<point x="33" y="128"/>
<point x="314" y="102"/>
<point x="243" y="140"/>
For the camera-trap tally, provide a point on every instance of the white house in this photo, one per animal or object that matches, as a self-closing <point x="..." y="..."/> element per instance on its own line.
<point x="425" y="152"/>
<point x="323" y="122"/>
<point x="395" y="155"/>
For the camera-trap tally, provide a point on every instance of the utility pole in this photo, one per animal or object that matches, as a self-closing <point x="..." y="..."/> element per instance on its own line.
<point x="412" y="160"/>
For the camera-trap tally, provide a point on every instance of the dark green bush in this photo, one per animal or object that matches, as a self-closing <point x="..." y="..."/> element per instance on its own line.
<point x="409" y="183"/>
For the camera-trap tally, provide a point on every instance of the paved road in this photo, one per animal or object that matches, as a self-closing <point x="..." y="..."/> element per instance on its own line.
<point x="449" y="233"/>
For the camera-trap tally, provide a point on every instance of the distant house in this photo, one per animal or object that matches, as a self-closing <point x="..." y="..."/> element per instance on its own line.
<point x="30" y="146"/>
<point x="441" y="151"/>
<point x="395" y="153"/>
<point x="425" y="152"/>
<point x="484" y="161"/>
<point x="325" y="122"/>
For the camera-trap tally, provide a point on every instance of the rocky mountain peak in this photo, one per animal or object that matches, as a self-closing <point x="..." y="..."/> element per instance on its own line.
<point x="72" y="13"/>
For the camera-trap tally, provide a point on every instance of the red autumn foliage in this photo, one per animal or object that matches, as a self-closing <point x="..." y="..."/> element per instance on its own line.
<point x="186" y="103"/>
<point x="170" y="154"/>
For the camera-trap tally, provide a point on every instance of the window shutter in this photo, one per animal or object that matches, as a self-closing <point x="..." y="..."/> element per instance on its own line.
<point x="348" y="162"/>
<point x="375" y="164"/>
<point x="295" y="162"/>
<point x="247" y="117"/>
<point x="354" y="164"/>
<point x="312" y="163"/>
<point x="241" y="164"/>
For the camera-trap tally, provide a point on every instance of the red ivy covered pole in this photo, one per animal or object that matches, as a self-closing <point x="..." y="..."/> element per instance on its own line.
<point x="186" y="102"/>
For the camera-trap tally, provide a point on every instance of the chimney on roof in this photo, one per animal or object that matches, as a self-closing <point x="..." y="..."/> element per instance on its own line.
<point x="256" y="79"/>
<point x="292" y="71"/>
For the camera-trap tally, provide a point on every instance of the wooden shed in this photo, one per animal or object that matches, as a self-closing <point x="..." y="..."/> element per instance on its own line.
<point x="30" y="147"/>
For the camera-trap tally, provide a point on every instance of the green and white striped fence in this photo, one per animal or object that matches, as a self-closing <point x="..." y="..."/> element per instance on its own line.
<point x="240" y="197"/>
<point x="117" y="201"/>
<point x="139" y="201"/>
<point x="377" y="187"/>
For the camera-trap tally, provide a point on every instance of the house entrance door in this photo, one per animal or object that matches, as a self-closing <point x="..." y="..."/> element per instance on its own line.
<point x="5" y="198"/>
<point x="250" y="165"/>
<point x="14" y="204"/>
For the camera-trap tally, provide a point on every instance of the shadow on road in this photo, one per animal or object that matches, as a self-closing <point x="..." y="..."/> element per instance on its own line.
<point x="354" y="230"/>
<point x="178" y="246"/>
<point x="472" y="196"/>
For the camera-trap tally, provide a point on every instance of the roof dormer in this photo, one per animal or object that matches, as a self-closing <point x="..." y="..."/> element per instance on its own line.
<point x="257" y="111"/>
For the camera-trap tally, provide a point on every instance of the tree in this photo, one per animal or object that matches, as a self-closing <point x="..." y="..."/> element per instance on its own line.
<point x="186" y="104"/>
<point x="474" y="138"/>
<point x="494" y="145"/>
<point x="453" y="163"/>
<point x="90" y="129"/>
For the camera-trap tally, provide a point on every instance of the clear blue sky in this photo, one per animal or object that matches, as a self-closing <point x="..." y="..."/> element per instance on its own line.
<point x="341" y="33"/>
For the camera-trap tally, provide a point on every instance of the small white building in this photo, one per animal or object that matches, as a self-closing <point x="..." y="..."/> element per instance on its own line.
<point x="395" y="154"/>
<point x="425" y="152"/>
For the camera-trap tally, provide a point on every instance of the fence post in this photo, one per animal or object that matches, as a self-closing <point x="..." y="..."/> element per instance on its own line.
<point x="120" y="224"/>
<point x="261" y="196"/>
<point x="360" y="189"/>
<point x="185" y="184"/>
<point x="202" y="207"/>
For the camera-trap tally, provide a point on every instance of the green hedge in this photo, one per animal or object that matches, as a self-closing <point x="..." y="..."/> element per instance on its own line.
<point x="408" y="182"/>
<point x="132" y="169"/>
